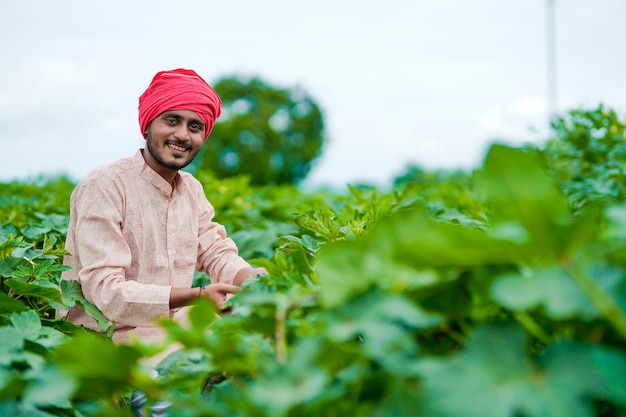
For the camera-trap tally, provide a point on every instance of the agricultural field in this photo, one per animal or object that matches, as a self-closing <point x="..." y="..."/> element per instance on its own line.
<point x="498" y="292"/>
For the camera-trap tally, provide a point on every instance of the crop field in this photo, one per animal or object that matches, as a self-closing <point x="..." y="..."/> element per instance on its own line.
<point x="493" y="293"/>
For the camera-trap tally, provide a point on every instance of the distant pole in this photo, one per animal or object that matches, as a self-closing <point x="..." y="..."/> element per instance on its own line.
<point x="552" y="78"/>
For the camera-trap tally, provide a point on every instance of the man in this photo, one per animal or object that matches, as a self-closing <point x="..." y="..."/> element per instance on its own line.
<point x="140" y="227"/>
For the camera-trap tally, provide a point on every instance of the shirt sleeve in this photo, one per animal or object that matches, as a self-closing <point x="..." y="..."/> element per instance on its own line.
<point x="105" y="256"/>
<point x="218" y="255"/>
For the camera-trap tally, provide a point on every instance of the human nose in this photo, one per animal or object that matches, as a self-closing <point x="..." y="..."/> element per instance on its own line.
<point x="182" y="133"/>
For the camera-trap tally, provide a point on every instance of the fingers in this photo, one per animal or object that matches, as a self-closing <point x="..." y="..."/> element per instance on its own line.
<point x="219" y="293"/>
<point x="226" y="288"/>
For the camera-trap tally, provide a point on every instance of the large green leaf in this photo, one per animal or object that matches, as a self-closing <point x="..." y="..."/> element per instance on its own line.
<point x="550" y="288"/>
<point x="519" y="189"/>
<point x="9" y="265"/>
<point x="401" y="400"/>
<point x="71" y="294"/>
<point x="28" y="323"/>
<point x="493" y="376"/>
<point x="187" y="368"/>
<point x="10" y="305"/>
<point x="100" y="368"/>
<point x="14" y="408"/>
<point x="95" y="313"/>
<point x="384" y="324"/>
<point x="12" y="342"/>
<point x="287" y="385"/>
<point x="35" y="232"/>
<point x="49" y="388"/>
<point x="40" y="289"/>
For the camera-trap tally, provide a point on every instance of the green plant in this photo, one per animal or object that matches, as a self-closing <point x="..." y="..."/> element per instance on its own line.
<point x="587" y="155"/>
<point x="488" y="294"/>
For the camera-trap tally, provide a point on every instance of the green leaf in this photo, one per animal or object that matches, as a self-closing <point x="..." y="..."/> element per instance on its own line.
<point x="616" y="222"/>
<point x="185" y="368"/>
<point x="401" y="400"/>
<point x="9" y="408"/>
<point x="284" y="391"/>
<point x="42" y="270"/>
<point x="28" y="323"/>
<point x="26" y="253"/>
<point x="95" y="313"/>
<point x="34" y="232"/>
<point x="12" y="341"/>
<point x="385" y="323"/>
<point x="9" y="265"/>
<point x="11" y="305"/>
<point x="7" y="230"/>
<point x="28" y="410"/>
<point x="516" y="182"/>
<point x="398" y="253"/>
<point x="50" y="338"/>
<point x="65" y="327"/>
<point x="518" y="188"/>
<point x="493" y="376"/>
<point x="50" y="388"/>
<point x="10" y="384"/>
<point x="70" y="292"/>
<point x="34" y="289"/>
<point x="108" y="375"/>
<point x="54" y="221"/>
<point x="202" y="314"/>
<point x="550" y="288"/>
<point x="284" y="387"/>
<point x="611" y="368"/>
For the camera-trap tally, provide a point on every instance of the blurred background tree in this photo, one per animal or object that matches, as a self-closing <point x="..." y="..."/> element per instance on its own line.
<point x="269" y="134"/>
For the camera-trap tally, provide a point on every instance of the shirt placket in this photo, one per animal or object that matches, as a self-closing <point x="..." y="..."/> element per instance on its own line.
<point x="171" y="230"/>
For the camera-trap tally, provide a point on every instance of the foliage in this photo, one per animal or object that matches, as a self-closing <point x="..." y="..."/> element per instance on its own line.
<point x="267" y="133"/>
<point x="495" y="293"/>
<point x="587" y="155"/>
<point x="35" y="218"/>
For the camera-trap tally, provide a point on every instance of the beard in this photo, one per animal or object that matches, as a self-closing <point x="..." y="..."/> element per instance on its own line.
<point x="152" y="147"/>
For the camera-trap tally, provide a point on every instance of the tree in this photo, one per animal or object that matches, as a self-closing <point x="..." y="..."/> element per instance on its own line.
<point x="269" y="134"/>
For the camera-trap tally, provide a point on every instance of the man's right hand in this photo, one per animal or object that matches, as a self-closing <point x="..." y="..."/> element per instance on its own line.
<point x="219" y="293"/>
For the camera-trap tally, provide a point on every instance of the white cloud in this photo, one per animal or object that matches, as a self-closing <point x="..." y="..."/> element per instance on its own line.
<point x="530" y="107"/>
<point x="425" y="82"/>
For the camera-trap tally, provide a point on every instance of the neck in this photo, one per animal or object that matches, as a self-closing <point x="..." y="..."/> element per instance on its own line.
<point x="167" y="174"/>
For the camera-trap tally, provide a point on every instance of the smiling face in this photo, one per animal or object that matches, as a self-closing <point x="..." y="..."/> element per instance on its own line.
<point x="173" y="140"/>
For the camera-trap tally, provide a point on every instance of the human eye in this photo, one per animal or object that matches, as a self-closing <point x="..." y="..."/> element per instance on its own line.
<point x="169" y="119"/>
<point x="196" y="126"/>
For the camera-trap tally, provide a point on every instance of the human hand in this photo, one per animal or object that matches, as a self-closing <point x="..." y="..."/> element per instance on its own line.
<point x="219" y="293"/>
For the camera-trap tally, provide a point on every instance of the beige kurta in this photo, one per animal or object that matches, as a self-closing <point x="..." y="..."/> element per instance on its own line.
<point x="132" y="238"/>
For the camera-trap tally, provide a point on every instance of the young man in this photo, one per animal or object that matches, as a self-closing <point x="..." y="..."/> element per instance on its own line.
<point x="140" y="227"/>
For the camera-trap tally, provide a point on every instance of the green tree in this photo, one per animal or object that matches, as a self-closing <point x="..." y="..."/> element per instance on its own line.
<point x="269" y="134"/>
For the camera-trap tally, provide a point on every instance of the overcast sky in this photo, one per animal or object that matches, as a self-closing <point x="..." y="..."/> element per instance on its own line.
<point x="427" y="82"/>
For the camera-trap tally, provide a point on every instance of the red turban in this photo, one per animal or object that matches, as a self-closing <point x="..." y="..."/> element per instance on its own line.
<point x="179" y="89"/>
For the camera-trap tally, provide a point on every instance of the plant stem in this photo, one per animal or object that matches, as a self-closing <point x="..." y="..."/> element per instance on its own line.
<point x="281" y="333"/>
<point x="599" y="298"/>
<point x="533" y="328"/>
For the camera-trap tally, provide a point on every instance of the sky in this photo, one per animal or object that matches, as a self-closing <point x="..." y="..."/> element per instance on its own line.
<point x="430" y="83"/>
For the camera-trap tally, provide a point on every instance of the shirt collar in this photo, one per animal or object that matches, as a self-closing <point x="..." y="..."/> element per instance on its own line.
<point x="155" y="179"/>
